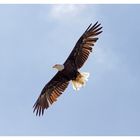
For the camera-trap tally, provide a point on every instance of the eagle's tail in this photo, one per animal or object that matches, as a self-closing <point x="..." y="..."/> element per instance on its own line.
<point x="80" y="80"/>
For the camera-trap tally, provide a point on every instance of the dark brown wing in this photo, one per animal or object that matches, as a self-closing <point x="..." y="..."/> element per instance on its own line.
<point x="50" y="93"/>
<point x="84" y="45"/>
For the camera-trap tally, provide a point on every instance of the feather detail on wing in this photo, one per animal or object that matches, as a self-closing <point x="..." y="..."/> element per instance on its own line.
<point x="50" y="93"/>
<point x="84" y="45"/>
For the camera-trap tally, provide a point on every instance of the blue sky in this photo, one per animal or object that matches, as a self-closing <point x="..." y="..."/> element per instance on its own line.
<point x="35" y="37"/>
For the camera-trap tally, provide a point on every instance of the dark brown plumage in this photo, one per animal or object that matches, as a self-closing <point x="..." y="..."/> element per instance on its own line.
<point x="54" y="88"/>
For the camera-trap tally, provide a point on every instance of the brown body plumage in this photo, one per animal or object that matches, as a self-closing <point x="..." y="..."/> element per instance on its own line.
<point x="54" y="88"/>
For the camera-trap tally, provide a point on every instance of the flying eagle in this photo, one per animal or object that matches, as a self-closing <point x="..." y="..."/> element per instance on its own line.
<point x="69" y="71"/>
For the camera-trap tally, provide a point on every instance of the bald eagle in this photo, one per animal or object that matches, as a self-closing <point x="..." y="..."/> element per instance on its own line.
<point x="69" y="71"/>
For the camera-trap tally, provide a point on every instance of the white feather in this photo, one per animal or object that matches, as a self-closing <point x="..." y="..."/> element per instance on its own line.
<point x="80" y="81"/>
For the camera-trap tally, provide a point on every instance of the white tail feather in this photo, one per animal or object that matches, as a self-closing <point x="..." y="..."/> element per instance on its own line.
<point x="80" y="81"/>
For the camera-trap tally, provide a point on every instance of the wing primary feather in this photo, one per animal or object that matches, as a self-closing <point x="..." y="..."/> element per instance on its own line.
<point x="91" y="40"/>
<point x="98" y="29"/>
<point x="98" y="33"/>
<point x="39" y="110"/>
<point x="94" y="26"/>
<point x="90" y="44"/>
<point x="88" y="27"/>
<point x="42" y="111"/>
<point x="93" y="34"/>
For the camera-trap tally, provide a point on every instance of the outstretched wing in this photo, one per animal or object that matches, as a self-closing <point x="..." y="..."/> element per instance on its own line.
<point x="50" y="93"/>
<point x="84" y="45"/>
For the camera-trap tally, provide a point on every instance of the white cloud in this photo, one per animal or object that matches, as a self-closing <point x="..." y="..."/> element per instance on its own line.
<point x="66" y="11"/>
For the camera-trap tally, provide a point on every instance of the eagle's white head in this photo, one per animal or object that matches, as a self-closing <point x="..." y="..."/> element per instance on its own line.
<point x="58" y="67"/>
